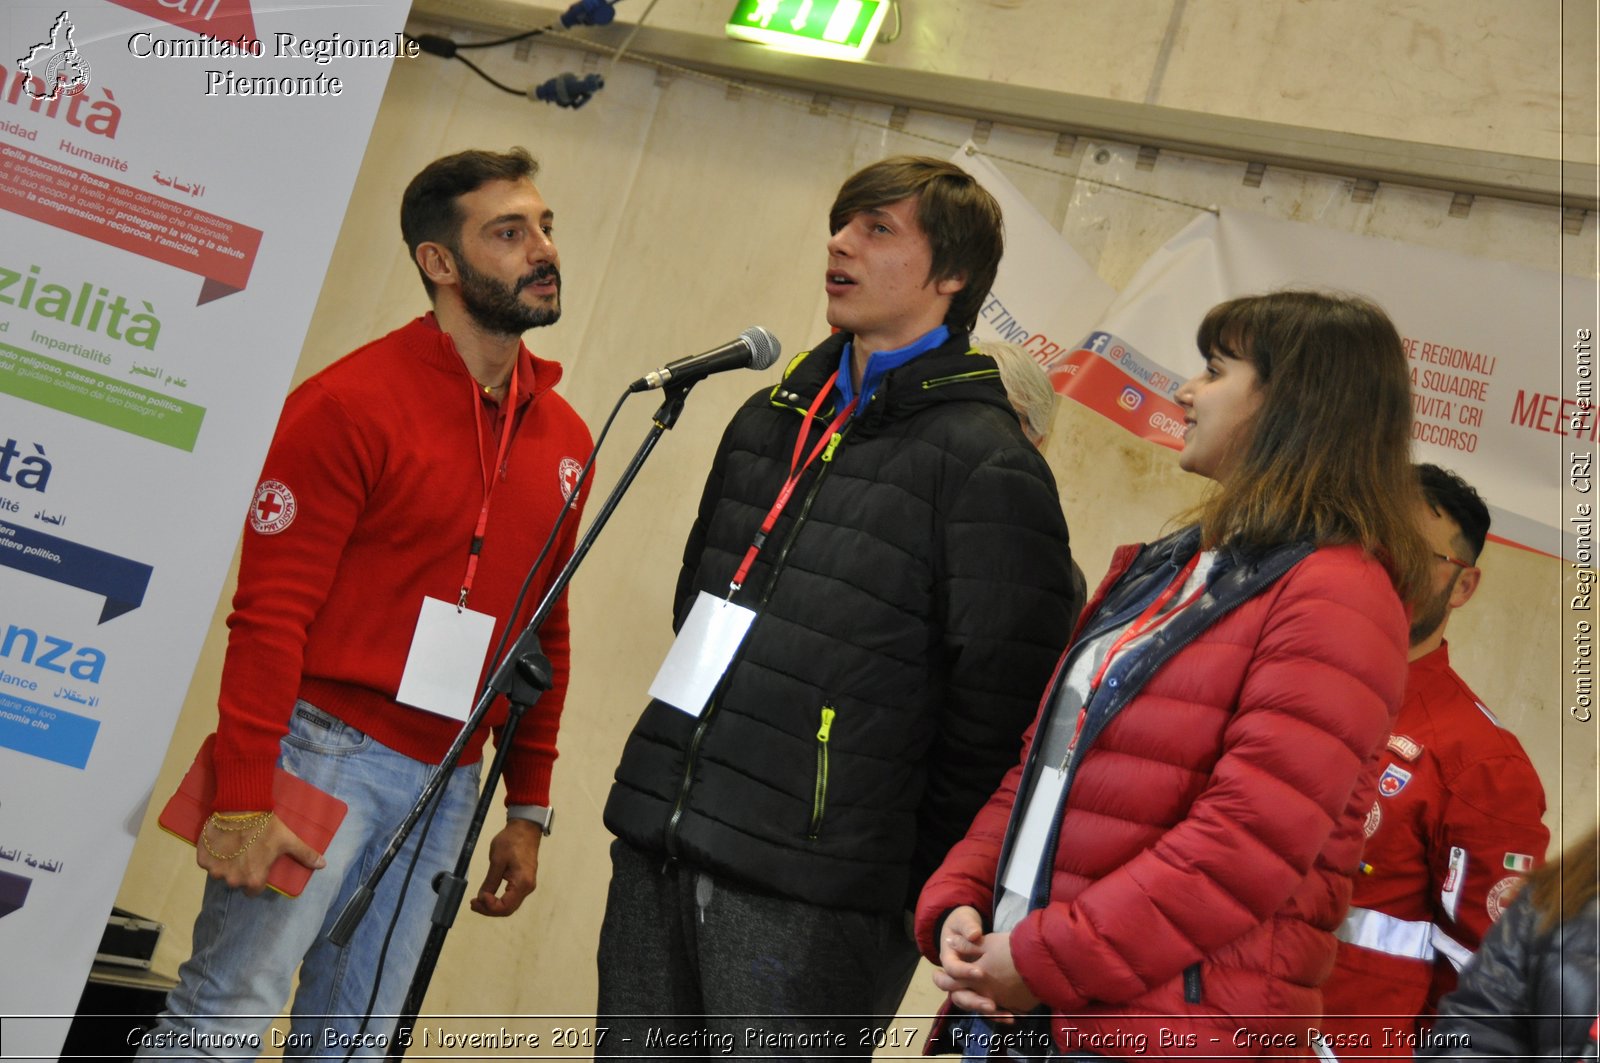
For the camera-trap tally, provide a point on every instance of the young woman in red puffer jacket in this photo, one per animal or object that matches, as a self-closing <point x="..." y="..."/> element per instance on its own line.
<point x="1162" y="874"/>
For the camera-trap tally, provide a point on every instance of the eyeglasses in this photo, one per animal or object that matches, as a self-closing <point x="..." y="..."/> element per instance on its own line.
<point x="1453" y="560"/>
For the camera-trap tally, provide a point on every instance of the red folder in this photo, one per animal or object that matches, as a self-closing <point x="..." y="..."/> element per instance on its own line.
<point x="304" y="809"/>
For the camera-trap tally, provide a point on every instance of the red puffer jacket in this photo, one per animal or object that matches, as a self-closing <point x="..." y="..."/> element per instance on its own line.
<point x="1213" y="811"/>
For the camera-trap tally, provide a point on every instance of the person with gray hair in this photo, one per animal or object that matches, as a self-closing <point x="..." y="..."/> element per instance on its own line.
<point x="1035" y="400"/>
<point x="1027" y="386"/>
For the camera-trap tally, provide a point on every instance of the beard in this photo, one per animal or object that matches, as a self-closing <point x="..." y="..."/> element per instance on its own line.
<point x="495" y="306"/>
<point x="1431" y="613"/>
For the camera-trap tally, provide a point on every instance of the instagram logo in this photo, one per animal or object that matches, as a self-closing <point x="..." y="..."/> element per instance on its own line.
<point x="1131" y="398"/>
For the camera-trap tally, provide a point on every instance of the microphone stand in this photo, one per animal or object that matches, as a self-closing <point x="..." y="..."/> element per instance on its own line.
<point x="522" y="675"/>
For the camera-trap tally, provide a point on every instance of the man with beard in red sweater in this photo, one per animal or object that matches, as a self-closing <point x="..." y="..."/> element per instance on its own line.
<point x="408" y="490"/>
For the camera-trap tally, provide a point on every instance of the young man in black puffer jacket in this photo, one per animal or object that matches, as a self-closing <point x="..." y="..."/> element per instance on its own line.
<point x="906" y="605"/>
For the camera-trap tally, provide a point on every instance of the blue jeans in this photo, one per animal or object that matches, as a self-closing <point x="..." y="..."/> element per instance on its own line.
<point x="246" y="949"/>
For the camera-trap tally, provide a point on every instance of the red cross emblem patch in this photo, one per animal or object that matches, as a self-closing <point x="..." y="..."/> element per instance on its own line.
<point x="568" y="475"/>
<point x="1393" y="780"/>
<point x="273" y="508"/>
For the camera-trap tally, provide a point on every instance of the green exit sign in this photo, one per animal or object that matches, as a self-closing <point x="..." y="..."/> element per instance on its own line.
<point x="833" y="29"/>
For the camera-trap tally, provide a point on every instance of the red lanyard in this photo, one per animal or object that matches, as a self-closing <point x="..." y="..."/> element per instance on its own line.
<point x="797" y="468"/>
<point x="509" y="410"/>
<point x="1151" y="618"/>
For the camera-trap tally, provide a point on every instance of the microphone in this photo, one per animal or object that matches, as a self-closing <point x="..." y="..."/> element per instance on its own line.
<point x="756" y="348"/>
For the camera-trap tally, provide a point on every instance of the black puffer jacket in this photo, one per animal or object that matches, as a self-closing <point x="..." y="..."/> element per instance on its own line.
<point x="1527" y="994"/>
<point x="911" y="603"/>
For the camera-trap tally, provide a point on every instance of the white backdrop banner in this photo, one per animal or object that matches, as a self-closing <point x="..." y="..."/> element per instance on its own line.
<point x="172" y="178"/>
<point x="1045" y="295"/>
<point x="1486" y="341"/>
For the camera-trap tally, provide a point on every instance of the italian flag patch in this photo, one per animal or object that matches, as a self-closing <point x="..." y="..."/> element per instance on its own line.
<point x="1518" y="862"/>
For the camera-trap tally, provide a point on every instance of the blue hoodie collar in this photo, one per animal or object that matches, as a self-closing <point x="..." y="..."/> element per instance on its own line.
<point x="881" y="363"/>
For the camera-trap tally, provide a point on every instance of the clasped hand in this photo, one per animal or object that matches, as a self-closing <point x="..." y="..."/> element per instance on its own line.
<point x="977" y="971"/>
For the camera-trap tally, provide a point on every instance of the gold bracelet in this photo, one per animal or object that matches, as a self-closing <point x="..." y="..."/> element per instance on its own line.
<point x="235" y="817"/>
<point x="266" y="818"/>
<point x="236" y="822"/>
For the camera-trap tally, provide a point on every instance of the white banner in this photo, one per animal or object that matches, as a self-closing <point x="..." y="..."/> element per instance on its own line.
<point x="1486" y="341"/>
<point x="1045" y="295"/>
<point x="172" y="178"/>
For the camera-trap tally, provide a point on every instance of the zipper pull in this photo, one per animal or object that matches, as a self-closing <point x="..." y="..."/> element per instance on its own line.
<point x="827" y="455"/>
<point x="827" y="724"/>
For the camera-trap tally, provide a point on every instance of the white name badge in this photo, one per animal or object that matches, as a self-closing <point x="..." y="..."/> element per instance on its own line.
<point x="701" y="653"/>
<point x="1038" y="824"/>
<point x="446" y="659"/>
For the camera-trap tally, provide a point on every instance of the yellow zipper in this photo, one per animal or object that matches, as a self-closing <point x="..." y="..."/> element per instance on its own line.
<point x="819" y="797"/>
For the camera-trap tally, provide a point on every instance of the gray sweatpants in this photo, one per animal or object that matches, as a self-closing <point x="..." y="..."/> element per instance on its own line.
<point x="691" y="966"/>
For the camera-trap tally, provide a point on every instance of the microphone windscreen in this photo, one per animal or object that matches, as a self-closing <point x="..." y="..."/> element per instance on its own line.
<point x="764" y="346"/>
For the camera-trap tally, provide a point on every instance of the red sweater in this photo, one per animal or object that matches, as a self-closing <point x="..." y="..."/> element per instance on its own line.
<point x="368" y="501"/>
